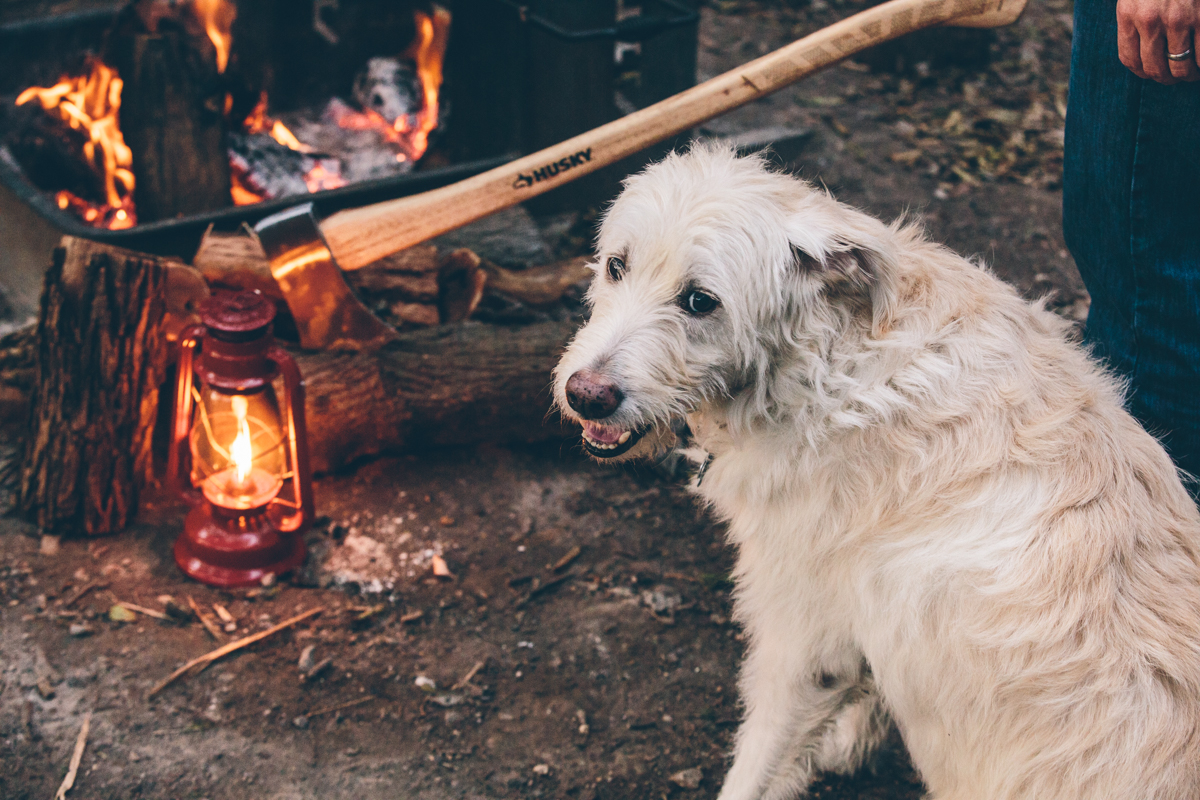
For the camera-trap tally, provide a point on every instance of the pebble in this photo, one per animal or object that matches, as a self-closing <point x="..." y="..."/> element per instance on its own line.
<point x="300" y="722"/>
<point x="541" y="769"/>
<point x="307" y="661"/>
<point x="688" y="778"/>
<point x="425" y="684"/>
<point x="79" y="629"/>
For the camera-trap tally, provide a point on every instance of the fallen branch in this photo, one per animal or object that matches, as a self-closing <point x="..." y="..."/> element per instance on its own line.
<point x="201" y="662"/>
<point x="76" y="757"/>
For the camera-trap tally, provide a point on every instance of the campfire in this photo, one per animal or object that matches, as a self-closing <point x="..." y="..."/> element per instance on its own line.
<point x="380" y="128"/>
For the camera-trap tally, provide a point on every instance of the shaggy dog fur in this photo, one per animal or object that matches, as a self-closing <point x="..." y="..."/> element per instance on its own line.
<point x="943" y="514"/>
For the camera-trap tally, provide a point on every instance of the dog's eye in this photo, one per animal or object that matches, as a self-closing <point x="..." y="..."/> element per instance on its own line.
<point x="698" y="302"/>
<point x="616" y="268"/>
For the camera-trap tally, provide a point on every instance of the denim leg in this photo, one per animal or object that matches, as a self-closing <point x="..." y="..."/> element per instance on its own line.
<point x="1131" y="216"/>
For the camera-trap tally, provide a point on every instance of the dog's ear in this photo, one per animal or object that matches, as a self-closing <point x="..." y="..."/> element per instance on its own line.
<point x="856" y="267"/>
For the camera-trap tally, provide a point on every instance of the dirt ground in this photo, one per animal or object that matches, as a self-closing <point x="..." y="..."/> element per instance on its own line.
<point x="592" y="599"/>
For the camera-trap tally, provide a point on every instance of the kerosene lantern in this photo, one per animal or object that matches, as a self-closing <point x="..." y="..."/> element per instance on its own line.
<point x="240" y="460"/>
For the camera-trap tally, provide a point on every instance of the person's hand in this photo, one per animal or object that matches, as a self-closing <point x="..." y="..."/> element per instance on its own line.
<point x="1147" y="30"/>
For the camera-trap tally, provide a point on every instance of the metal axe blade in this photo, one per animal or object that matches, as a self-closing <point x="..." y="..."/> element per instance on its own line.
<point x="328" y="315"/>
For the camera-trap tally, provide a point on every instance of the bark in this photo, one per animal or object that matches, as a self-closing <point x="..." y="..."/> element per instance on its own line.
<point x="100" y="361"/>
<point x="452" y="385"/>
<point x="172" y="118"/>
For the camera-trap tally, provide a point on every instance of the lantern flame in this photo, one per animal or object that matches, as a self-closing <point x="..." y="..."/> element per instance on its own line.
<point x="239" y="451"/>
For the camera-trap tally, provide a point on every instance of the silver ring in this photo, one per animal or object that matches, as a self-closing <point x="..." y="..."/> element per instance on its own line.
<point x="1180" y="56"/>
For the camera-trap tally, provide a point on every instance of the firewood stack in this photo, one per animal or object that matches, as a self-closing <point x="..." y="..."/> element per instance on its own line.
<point x="105" y="336"/>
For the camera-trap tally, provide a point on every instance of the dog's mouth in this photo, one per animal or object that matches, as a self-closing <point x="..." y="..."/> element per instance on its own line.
<point x="608" y="441"/>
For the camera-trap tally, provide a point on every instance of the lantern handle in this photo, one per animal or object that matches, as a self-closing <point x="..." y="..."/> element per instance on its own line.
<point x="297" y="433"/>
<point x="178" y="458"/>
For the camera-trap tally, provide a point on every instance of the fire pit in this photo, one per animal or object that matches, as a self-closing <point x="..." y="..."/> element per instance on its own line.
<point x="144" y="124"/>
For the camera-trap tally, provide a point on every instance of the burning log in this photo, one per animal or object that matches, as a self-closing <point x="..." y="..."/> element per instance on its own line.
<point x="172" y="117"/>
<point x="100" y="362"/>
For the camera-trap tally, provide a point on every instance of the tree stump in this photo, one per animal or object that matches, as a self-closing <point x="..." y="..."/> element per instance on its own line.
<point x="101" y="359"/>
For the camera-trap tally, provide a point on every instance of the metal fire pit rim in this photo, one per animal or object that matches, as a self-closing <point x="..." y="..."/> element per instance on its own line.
<point x="181" y="236"/>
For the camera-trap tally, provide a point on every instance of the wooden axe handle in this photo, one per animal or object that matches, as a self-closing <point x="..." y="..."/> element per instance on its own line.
<point x="361" y="236"/>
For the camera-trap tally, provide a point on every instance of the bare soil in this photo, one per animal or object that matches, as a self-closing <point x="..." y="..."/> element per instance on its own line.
<point x="606" y="670"/>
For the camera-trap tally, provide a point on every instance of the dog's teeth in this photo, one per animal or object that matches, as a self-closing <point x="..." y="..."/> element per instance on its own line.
<point x="624" y="438"/>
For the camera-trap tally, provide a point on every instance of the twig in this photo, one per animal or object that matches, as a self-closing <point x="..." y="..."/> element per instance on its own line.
<point x="467" y="678"/>
<point x="571" y="555"/>
<point x="412" y="616"/>
<point x="149" y="612"/>
<point x="342" y="707"/>
<point x="76" y="757"/>
<point x="206" y="659"/>
<point x="205" y="619"/>
<point x="87" y="587"/>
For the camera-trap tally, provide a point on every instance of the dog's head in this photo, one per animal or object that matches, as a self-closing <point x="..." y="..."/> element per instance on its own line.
<point x="712" y="272"/>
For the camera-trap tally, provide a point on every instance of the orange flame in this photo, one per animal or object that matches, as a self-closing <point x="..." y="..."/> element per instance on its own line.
<point x="259" y="122"/>
<point x="428" y="50"/>
<point x="90" y="104"/>
<point x="218" y="17"/>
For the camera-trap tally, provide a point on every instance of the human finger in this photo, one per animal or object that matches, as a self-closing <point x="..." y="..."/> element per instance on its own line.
<point x="1154" y="56"/>
<point x="1129" y="48"/>
<point x="1181" y="59"/>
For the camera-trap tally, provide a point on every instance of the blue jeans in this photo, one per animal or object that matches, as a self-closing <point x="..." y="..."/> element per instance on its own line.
<point x="1131" y="216"/>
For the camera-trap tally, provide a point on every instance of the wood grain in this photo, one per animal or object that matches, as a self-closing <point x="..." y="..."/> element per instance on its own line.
<point x="357" y="237"/>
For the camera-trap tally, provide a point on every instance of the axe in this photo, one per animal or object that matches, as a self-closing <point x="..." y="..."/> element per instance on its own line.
<point x="307" y="256"/>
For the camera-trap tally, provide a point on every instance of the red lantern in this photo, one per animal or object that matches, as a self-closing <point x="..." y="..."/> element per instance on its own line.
<point x="240" y="460"/>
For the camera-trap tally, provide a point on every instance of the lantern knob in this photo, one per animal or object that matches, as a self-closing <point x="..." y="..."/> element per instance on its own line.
<point x="240" y="315"/>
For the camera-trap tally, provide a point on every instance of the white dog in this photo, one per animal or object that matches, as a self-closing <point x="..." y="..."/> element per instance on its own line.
<point x="944" y="517"/>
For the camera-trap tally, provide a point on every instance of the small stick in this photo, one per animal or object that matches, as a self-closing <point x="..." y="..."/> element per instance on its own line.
<point x="571" y="555"/>
<point x="206" y="659"/>
<point x="76" y="757"/>
<point x="342" y="707"/>
<point x="87" y="587"/>
<point x="205" y="619"/>
<point x="149" y="612"/>
<point x="467" y="678"/>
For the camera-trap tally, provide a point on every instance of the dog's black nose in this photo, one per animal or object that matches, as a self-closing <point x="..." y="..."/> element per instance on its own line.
<point x="592" y="395"/>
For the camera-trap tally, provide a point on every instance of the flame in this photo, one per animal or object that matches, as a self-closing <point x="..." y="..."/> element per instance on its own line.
<point x="428" y="50"/>
<point x="319" y="178"/>
<point x="90" y="103"/>
<point x="257" y="121"/>
<point x="239" y="451"/>
<point x="218" y="17"/>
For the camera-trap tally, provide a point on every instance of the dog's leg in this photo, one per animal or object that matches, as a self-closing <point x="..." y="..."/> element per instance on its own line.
<point x="786" y="713"/>
<point x="857" y="727"/>
<point x="857" y="730"/>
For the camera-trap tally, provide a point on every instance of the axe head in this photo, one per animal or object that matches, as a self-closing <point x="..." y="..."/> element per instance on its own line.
<point x="327" y="314"/>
